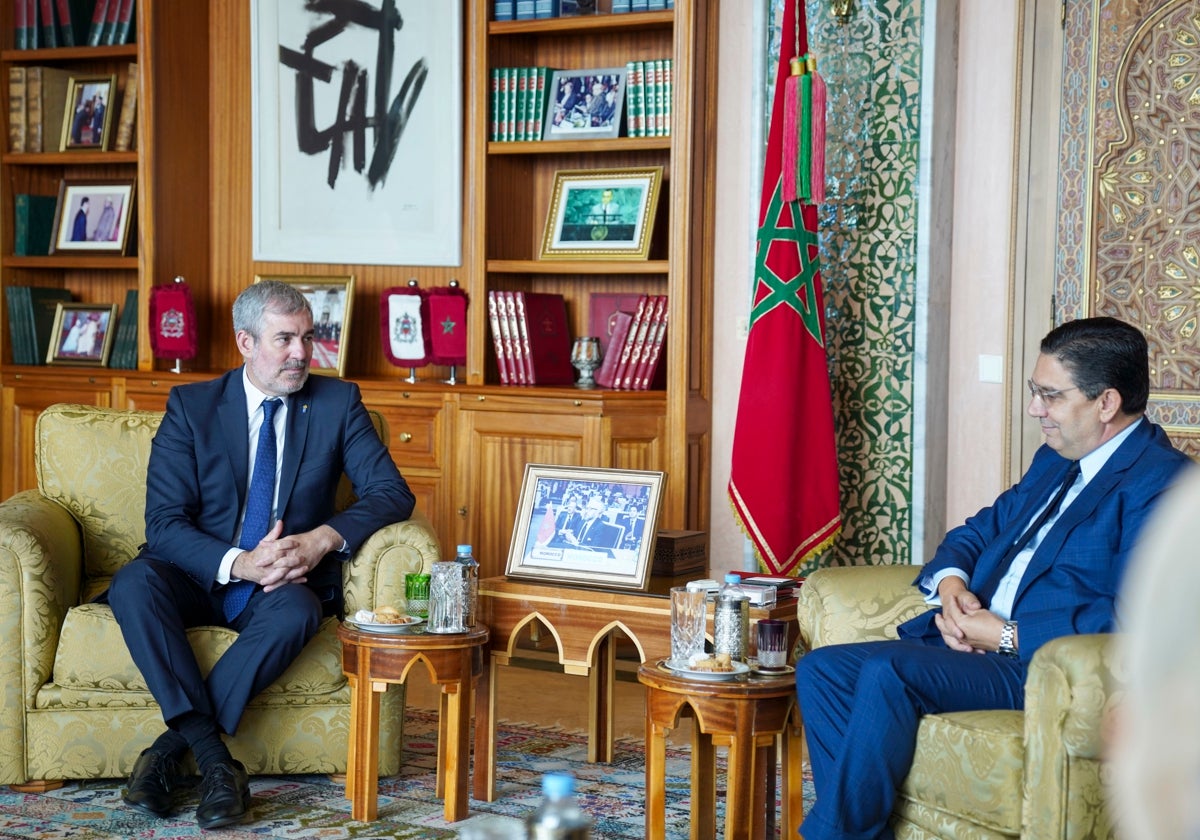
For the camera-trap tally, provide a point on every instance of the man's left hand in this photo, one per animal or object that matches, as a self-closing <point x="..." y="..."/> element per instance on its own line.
<point x="293" y="565"/>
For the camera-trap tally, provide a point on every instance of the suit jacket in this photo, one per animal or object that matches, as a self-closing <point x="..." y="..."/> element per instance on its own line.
<point x="1073" y="578"/>
<point x="198" y="475"/>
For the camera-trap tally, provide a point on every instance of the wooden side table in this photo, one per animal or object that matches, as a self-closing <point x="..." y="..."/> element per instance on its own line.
<point x="758" y="718"/>
<point x="583" y="622"/>
<point x="372" y="661"/>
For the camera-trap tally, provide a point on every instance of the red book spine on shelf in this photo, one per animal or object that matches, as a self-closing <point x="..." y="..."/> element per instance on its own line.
<point x="647" y="365"/>
<point x="516" y="355"/>
<point x="549" y="349"/>
<point x="49" y="32"/>
<point x="626" y="347"/>
<point x="99" y="15"/>
<point x="608" y="365"/>
<point x="66" y="26"/>
<point x="124" y="23"/>
<point x="497" y="336"/>
<point x="635" y="342"/>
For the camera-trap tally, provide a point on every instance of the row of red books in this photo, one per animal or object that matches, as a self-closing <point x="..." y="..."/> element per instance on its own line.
<point x="531" y="338"/>
<point x="632" y="359"/>
<point x="53" y="23"/>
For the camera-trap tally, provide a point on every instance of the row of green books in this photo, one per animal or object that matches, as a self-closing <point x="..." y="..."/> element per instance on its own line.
<point x="649" y="88"/>
<point x="124" y="350"/>
<point x="518" y="103"/>
<point x="33" y="312"/>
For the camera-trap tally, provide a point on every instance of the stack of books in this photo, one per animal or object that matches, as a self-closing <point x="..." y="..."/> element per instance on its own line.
<point x="633" y="360"/>
<point x="31" y="313"/>
<point x="37" y="105"/>
<point x="518" y="103"/>
<point x="124" y="349"/>
<point x="530" y="337"/>
<point x="648" y="95"/>
<point x="535" y="9"/>
<point x="39" y="24"/>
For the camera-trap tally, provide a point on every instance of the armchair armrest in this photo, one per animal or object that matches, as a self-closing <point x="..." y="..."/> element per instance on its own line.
<point x="375" y="575"/>
<point x="856" y="604"/>
<point x="1067" y="701"/>
<point x="41" y="567"/>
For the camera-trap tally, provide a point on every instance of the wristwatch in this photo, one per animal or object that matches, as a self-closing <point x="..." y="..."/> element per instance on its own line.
<point x="1007" y="640"/>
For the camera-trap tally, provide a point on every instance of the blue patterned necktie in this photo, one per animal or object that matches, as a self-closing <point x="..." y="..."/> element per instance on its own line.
<point x="258" y="506"/>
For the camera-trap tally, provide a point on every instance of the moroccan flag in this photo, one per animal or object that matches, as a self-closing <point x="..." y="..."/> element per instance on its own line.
<point x="546" y="529"/>
<point x="784" y="479"/>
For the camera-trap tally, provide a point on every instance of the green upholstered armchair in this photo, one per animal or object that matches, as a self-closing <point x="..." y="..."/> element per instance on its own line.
<point x="986" y="774"/>
<point x="72" y="703"/>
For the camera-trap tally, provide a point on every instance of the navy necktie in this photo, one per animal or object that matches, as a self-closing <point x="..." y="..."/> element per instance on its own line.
<point x="258" y="506"/>
<point x="988" y="591"/>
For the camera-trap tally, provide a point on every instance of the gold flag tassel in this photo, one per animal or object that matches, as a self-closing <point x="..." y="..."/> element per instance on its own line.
<point x="819" y="100"/>
<point x="792" y="114"/>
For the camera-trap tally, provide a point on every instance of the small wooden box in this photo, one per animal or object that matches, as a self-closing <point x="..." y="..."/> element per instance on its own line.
<point x="680" y="553"/>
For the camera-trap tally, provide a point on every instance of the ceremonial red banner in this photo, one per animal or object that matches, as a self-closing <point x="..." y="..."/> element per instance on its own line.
<point x="173" y="322"/>
<point x="447" y="326"/>
<point x="784" y="477"/>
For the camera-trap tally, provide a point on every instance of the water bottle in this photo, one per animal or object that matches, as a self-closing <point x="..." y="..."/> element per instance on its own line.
<point x="731" y="620"/>
<point x="471" y="585"/>
<point x="559" y="816"/>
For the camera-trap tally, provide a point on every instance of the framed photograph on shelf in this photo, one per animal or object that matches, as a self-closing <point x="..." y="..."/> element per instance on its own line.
<point x="331" y="299"/>
<point x="88" y="113"/>
<point x="605" y="214"/>
<point x="93" y="216"/>
<point x="586" y="526"/>
<point x="585" y="104"/>
<point x="82" y="334"/>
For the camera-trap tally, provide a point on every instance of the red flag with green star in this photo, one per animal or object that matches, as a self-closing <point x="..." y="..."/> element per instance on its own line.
<point x="784" y="479"/>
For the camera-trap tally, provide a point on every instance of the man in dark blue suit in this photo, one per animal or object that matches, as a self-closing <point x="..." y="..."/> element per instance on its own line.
<point x="214" y="556"/>
<point x="1002" y="584"/>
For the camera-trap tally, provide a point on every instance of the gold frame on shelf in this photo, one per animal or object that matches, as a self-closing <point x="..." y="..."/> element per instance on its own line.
<point x="79" y="89"/>
<point x="63" y="348"/>
<point x="614" y="553"/>
<point x="602" y="214"/>
<point x="115" y="194"/>
<point x="331" y="338"/>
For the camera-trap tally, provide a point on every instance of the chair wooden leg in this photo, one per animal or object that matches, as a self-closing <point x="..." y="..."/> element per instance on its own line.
<point x="38" y="786"/>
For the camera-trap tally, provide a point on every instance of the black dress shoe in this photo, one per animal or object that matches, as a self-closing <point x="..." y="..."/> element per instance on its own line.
<point x="152" y="783"/>
<point x="224" y="795"/>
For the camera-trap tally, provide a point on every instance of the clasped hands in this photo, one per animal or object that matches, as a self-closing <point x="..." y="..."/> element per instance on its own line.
<point x="278" y="560"/>
<point x="965" y="625"/>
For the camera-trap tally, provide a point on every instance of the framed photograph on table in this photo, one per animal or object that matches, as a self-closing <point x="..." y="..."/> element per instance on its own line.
<point x="586" y="526"/>
<point x="93" y="216"/>
<point x="584" y="104"/>
<point x="88" y="113"/>
<point x="82" y="334"/>
<point x="331" y="299"/>
<point x="604" y="214"/>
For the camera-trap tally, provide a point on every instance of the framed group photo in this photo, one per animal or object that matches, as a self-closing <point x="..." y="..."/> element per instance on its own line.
<point x="586" y="526"/>
<point x="331" y="299"/>
<point x="585" y="104"/>
<point x="93" y="215"/>
<point x="82" y="334"/>
<point x="88" y="114"/>
<point x="602" y="214"/>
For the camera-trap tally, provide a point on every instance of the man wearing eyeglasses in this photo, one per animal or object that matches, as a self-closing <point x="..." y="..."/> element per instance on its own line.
<point x="1044" y="560"/>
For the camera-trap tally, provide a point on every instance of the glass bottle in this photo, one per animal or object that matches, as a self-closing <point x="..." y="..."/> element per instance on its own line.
<point x="466" y="559"/>
<point x="731" y="620"/>
<point x="559" y="816"/>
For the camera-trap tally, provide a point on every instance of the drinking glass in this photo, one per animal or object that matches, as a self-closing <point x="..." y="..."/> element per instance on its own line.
<point x="772" y="644"/>
<point x="689" y="610"/>
<point x="447" y="598"/>
<point x="416" y="594"/>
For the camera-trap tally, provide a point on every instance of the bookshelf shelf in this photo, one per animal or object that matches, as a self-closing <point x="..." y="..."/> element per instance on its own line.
<point x="628" y="22"/>
<point x="74" y="262"/>
<point x="598" y="267"/>
<point x="69" y="158"/>
<point x="53" y="55"/>
<point x="565" y="147"/>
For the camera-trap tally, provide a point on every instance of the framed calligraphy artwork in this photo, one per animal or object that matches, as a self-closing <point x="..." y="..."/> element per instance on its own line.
<point x="357" y="131"/>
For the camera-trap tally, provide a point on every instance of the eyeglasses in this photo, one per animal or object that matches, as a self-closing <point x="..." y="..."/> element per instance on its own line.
<point x="1046" y="395"/>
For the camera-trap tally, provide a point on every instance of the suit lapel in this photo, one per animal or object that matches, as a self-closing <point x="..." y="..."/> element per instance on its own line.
<point x="299" y="416"/>
<point x="1085" y="504"/>
<point x="235" y="426"/>
<point x="998" y="548"/>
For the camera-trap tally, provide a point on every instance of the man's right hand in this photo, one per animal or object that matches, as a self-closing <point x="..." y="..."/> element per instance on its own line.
<point x="958" y="603"/>
<point x="258" y="564"/>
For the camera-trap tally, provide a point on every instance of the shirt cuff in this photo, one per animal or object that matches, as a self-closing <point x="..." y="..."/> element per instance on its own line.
<point x="930" y="585"/>
<point x="226" y="567"/>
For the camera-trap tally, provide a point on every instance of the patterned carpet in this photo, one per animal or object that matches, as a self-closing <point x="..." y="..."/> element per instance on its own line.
<point x="315" y="807"/>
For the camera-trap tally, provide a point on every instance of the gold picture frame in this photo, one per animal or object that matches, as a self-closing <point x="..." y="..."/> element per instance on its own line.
<point x="82" y="334"/>
<point x="586" y="526"/>
<point x="332" y="302"/>
<point x="602" y="214"/>
<point x="87" y="118"/>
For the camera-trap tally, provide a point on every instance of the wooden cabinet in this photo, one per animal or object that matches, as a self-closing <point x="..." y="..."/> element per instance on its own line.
<point x="168" y="232"/>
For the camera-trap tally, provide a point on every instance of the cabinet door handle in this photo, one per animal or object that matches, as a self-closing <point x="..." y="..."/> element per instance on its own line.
<point x="405" y="437"/>
<point x="462" y="511"/>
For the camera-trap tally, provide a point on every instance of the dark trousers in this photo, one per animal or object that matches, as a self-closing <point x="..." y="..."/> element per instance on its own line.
<point x="861" y="705"/>
<point x="155" y="603"/>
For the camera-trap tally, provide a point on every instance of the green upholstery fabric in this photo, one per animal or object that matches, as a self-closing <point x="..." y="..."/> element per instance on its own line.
<point x="72" y="704"/>
<point x="983" y="775"/>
